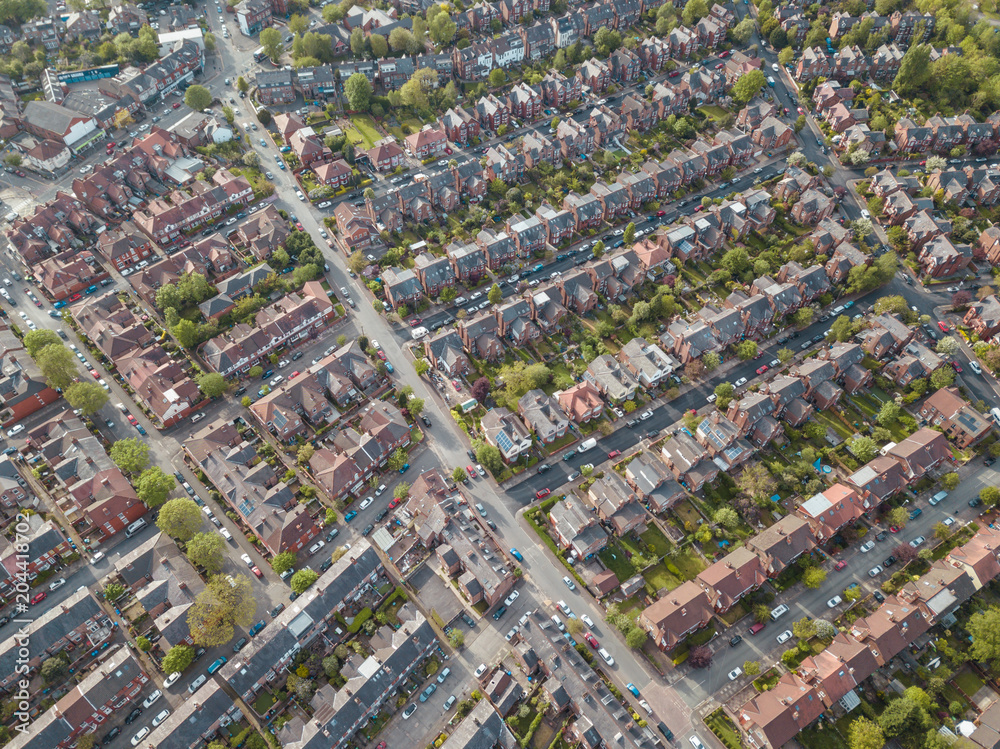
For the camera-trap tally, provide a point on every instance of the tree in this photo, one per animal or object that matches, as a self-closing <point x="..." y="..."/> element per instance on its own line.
<point x="211" y="384"/>
<point x="942" y="377"/>
<point x="401" y="491"/>
<point x="898" y="516"/>
<point x="226" y="602"/>
<point x="242" y="85"/>
<point x="742" y="31"/>
<point x="861" y="228"/>
<point x="947" y="346"/>
<point x="490" y="457"/>
<point x="756" y="481"/>
<point x="990" y="495"/>
<point x="751" y="668"/>
<point x="901" y="716"/>
<point x="58" y="365"/>
<point x="458" y="475"/>
<point x="89" y="397"/>
<point x="950" y="481"/>
<point x="865" y="734"/>
<point x="270" y="40"/>
<point x="198" y="98"/>
<point x="984" y="628"/>
<point x="914" y="69"/>
<point x="36" y="340"/>
<point x="727" y="517"/>
<point x="841" y="330"/>
<point x="398" y="459"/>
<point x="154" y="486"/>
<point x="415" y="406"/>
<point x="711" y="360"/>
<point x="379" y="45"/>
<point x="629" y="236"/>
<point x="54" y="669"/>
<point x="131" y="455"/>
<point x="749" y="85"/>
<point x="700" y="656"/>
<point x="864" y="448"/>
<point x="495" y="295"/>
<point x="905" y="553"/>
<point x="480" y="389"/>
<point x="803" y="316"/>
<point x="456" y="638"/>
<point x="891" y="305"/>
<point x="746" y="350"/>
<point x="206" y="550"/>
<point x="497" y="77"/>
<point x="179" y="519"/>
<point x="359" y="92"/>
<point x="441" y="28"/>
<point x="302" y="580"/>
<point x="414" y="92"/>
<point x="814" y="577"/>
<point x="186" y="333"/>
<point x="177" y="659"/>
<point x="785" y="57"/>
<point x="607" y="41"/>
<point x="888" y="414"/>
<point x="804" y="629"/>
<point x="960" y="299"/>
<point x="785" y="354"/>
<point x="636" y="636"/>
<point x="283" y="561"/>
<point x="422" y="367"/>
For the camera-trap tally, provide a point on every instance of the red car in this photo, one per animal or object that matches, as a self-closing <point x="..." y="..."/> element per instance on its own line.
<point x="94" y="373"/>
<point x="956" y="366"/>
<point x="75" y="298"/>
<point x="943" y="326"/>
<point x="661" y="213"/>
<point x="447" y="150"/>
<point x="542" y="493"/>
<point x="394" y="503"/>
<point x="177" y="105"/>
<point x="471" y="471"/>
<point x="591" y="640"/>
<point x="674" y="74"/>
<point x="762" y="369"/>
<point x="893" y="529"/>
<point x="298" y="225"/>
<point x="381" y="354"/>
<point x="39" y="597"/>
<point x="614" y="453"/>
<point x="256" y="570"/>
<point x="415" y="321"/>
<point x="840" y="565"/>
<point x="132" y="420"/>
<point x="294" y="374"/>
<point x="724" y="55"/>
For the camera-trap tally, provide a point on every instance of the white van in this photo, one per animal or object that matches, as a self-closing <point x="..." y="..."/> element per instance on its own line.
<point x="418" y="333"/>
<point x="778" y="611"/>
<point x="995" y="413"/>
<point x="137" y="526"/>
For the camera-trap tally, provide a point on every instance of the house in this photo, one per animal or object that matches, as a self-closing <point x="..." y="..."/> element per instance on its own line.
<point x="812" y="207"/>
<point x="653" y="482"/>
<point x="575" y="529"/>
<point x="460" y="126"/>
<point x="877" y="480"/>
<point x="827" y="513"/>
<point x="581" y="402"/>
<point x="688" y="461"/>
<point x="616" y="504"/>
<point x="335" y="174"/>
<point x="435" y="273"/>
<point x="782" y="544"/>
<point x="729" y="579"/>
<point x="921" y="452"/>
<point x="274" y="86"/>
<point x="939" y="258"/>
<point x="426" y="143"/>
<point x="647" y="363"/>
<point x="480" y="337"/>
<point x="384" y="156"/>
<point x="515" y="323"/>
<point x="124" y="246"/>
<point x="446" y="354"/>
<point x="887" y="335"/>
<point x="613" y="380"/>
<point x="578" y="292"/>
<point x="57" y="123"/>
<point x="467" y="260"/>
<point x="984" y="317"/>
<point x="355" y="228"/>
<point x="543" y="415"/>
<point x="402" y="287"/>
<point x="949" y="411"/>
<point x="672" y="618"/>
<point x="506" y="432"/>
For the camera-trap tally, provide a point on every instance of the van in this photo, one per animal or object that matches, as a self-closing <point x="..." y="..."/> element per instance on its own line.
<point x="938" y="498"/>
<point x="418" y="333"/>
<point x="587" y="445"/>
<point x="838" y="310"/>
<point x="778" y="612"/>
<point x="137" y="526"/>
<point x="995" y="413"/>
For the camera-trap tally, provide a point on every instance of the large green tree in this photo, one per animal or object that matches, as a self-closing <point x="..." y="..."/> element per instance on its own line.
<point x="226" y="602"/>
<point x="914" y="69"/>
<point x="57" y="364"/>
<point x="130" y="454"/>
<point x="198" y="98"/>
<point x="270" y="40"/>
<point x="36" y="340"/>
<point x="302" y="579"/>
<point x="177" y="659"/>
<point x="154" y="486"/>
<point x="211" y="384"/>
<point x="206" y="550"/>
<point x="89" y="397"/>
<point x="749" y="85"/>
<point x="180" y="519"/>
<point x="359" y="92"/>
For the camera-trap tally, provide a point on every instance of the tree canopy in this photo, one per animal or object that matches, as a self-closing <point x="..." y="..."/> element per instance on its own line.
<point x="225" y="603"/>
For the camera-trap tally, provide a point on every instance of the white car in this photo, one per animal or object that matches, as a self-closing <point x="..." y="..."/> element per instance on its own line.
<point x="143" y="733"/>
<point x="711" y="398"/>
<point x="283" y="363"/>
<point x="834" y="602"/>
<point x="606" y="656"/>
<point x="317" y="546"/>
<point x="867" y="546"/>
<point x="587" y="620"/>
<point x="740" y="382"/>
<point x="917" y="541"/>
<point x="735" y="673"/>
<point x="647" y="414"/>
<point x="645" y="706"/>
<point x="481" y="670"/>
<point x="17" y="429"/>
<point x="561" y="605"/>
<point x="865" y="213"/>
<point x="784" y="636"/>
<point x="511" y="598"/>
<point x="172" y="679"/>
<point x="569" y="583"/>
<point x="153" y="697"/>
<point x="775" y="67"/>
<point x="974" y="366"/>
<point x="367" y="502"/>
<point x="161" y="716"/>
<point x="374" y="344"/>
<point x="948" y="521"/>
<point x="875" y="571"/>
<point x="513" y="631"/>
<point x="246" y="560"/>
<point x="56" y="584"/>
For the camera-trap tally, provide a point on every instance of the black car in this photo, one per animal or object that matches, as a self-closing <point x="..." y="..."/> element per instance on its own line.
<point x="112" y="735"/>
<point x="975" y="502"/>
<point x="132" y="716"/>
<point x="877" y="595"/>
<point x="368" y="529"/>
<point x="989" y="461"/>
<point x="4" y="620"/>
<point x="240" y="390"/>
<point x="889" y="561"/>
<point x="783" y="339"/>
<point x="491" y="524"/>
<point x="199" y="653"/>
<point x="653" y="434"/>
<point x="297" y="355"/>
<point x="326" y="565"/>
<point x="736" y="640"/>
<point x="667" y="733"/>
<point x="468" y="620"/>
<point x="277" y="610"/>
<point x="544" y="467"/>
<point x="381" y="514"/>
<point x="472" y="455"/>
<point x="499" y="612"/>
<point x="817" y="338"/>
<point x="632" y="423"/>
<point x="240" y="644"/>
<point x="881" y="535"/>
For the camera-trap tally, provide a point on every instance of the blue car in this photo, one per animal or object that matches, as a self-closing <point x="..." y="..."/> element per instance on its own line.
<point x="631" y="687"/>
<point x="915" y="513"/>
<point x="256" y="628"/>
<point x="59" y="305"/>
<point x="848" y="305"/>
<point x="350" y="516"/>
<point x="405" y="468"/>
<point x="139" y="427"/>
<point x="516" y="554"/>
<point x="389" y="368"/>
<point x="217" y="665"/>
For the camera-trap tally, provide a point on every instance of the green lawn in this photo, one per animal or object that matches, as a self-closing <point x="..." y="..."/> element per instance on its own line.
<point x="687" y="513"/>
<point x="720" y="724"/>
<point x="712" y="111"/>
<point x="614" y="559"/>
<point x="968" y="682"/>
<point x="689" y="564"/>
<point x="365" y="126"/>
<point x="660" y="577"/>
<point x="655" y="538"/>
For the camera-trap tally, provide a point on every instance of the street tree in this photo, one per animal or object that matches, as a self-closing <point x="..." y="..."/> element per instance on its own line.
<point x="36" y="340"/>
<point x="177" y="659"/>
<point x="154" y="486"/>
<point x="751" y="668"/>
<point x="495" y="294"/>
<point x="990" y="495"/>
<point x="458" y="475"/>
<point x="211" y="384"/>
<point x="227" y="602"/>
<point x="804" y="628"/>
<point x="629" y="236"/>
<point x="814" y="577"/>
<point x="270" y="40"/>
<point x="950" y="481"/>
<point x="724" y="392"/>
<point x="711" y="360"/>
<point x="89" y="397"/>
<point x="746" y="350"/>
<point x="700" y="656"/>
<point x="841" y="329"/>
<point x="898" y="516"/>
<point x="942" y="377"/>
<point x="749" y="85"/>
<point x="242" y="85"/>
<point x="206" y="550"/>
<point x="401" y="491"/>
<point x="130" y="454"/>
<point x="283" y="561"/>
<point x="947" y="346"/>
<point x="302" y="579"/>
<point x="490" y="457"/>
<point x="198" y="98"/>
<point x="785" y="354"/>
<point x="179" y="519"/>
<point x="57" y="364"/>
